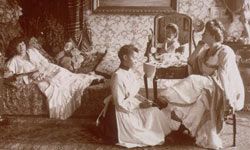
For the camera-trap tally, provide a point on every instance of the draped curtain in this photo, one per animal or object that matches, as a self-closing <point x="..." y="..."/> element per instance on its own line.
<point x="77" y="25"/>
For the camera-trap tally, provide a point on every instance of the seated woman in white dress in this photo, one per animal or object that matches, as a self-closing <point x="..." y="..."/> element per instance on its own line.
<point x="138" y="123"/>
<point x="201" y="100"/>
<point x="62" y="88"/>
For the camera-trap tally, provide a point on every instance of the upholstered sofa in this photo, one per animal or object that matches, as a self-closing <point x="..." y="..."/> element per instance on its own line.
<point x="17" y="99"/>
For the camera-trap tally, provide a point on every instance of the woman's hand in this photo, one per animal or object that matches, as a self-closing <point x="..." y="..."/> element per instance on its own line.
<point x="145" y="104"/>
<point x="200" y="45"/>
<point x="95" y="76"/>
<point x="98" y="77"/>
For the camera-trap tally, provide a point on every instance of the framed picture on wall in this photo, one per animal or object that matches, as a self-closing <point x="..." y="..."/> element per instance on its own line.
<point x="133" y="6"/>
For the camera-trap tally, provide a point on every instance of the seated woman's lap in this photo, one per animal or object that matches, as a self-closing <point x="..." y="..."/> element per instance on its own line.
<point x="188" y="90"/>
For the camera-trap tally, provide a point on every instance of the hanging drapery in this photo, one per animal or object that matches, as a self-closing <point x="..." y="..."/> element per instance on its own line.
<point x="77" y="26"/>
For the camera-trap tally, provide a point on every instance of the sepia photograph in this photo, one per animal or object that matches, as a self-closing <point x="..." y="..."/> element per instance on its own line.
<point x="124" y="74"/>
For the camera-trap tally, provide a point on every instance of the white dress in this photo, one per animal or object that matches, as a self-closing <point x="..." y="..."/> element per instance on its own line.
<point x="199" y="100"/>
<point x="137" y="127"/>
<point x="62" y="88"/>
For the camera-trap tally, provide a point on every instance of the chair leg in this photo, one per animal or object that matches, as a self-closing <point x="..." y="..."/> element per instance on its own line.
<point x="234" y="129"/>
<point x="155" y="88"/>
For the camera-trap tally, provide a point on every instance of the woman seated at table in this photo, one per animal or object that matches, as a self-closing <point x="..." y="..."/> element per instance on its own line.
<point x="138" y="123"/>
<point x="62" y="88"/>
<point x="200" y="100"/>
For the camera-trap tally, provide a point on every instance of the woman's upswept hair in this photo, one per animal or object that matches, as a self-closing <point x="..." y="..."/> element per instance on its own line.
<point x="12" y="48"/>
<point x="216" y="28"/>
<point x="174" y="28"/>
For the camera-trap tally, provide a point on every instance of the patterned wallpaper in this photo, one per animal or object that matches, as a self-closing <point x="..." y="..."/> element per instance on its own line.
<point x="110" y="32"/>
<point x="197" y="8"/>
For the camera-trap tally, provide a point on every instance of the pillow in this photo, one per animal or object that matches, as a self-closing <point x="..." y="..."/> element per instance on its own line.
<point x="34" y="43"/>
<point x="90" y="62"/>
<point x="109" y="64"/>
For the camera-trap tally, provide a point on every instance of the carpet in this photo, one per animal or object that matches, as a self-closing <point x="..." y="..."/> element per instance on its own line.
<point x="42" y="133"/>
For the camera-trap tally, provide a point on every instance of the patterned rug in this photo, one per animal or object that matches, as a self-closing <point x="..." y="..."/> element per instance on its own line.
<point x="39" y="132"/>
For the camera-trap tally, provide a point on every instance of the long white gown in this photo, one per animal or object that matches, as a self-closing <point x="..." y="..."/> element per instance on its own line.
<point x="199" y="100"/>
<point x="62" y="88"/>
<point x="137" y="127"/>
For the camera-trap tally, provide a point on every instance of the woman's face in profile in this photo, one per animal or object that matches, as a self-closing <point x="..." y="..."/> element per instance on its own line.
<point x="130" y="59"/>
<point x="21" y="48"/>
<point x="207" y="37"/>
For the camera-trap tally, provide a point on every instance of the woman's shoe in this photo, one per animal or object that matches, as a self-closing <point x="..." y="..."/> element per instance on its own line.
<point x="161" y="103"/>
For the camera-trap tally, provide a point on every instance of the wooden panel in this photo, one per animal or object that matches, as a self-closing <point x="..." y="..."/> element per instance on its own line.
<point x="172" y="72"/>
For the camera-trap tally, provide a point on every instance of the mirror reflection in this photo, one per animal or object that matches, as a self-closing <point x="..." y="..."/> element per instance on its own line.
<point x="171" y="42"/>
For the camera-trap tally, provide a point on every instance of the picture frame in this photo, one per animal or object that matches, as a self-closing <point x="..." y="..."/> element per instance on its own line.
<point x="136" y="7"/>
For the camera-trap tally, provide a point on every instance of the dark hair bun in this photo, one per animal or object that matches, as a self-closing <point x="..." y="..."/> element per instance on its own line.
<point x="216" y="28"/>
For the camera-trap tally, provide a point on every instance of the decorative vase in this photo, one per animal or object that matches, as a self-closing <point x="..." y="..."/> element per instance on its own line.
<point x="149" y="70"/>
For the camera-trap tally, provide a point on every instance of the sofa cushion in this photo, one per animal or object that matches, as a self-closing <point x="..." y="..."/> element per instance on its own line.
<point x="109" y="64"/>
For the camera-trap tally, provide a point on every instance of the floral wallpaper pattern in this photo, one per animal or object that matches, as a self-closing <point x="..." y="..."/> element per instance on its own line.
<point x="196" y="8"/>
<point x="110" y="32"/>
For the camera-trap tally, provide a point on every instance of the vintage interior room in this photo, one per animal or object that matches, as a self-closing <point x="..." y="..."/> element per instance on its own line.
<point x="108" y="74"/>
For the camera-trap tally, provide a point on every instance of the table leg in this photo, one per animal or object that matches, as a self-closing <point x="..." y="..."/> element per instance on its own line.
<point x="146" y="85"/>
<point x="234" y="129"/>
<point x="155" y="88"/>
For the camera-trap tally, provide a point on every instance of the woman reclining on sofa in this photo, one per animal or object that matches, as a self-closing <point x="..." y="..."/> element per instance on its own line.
<point x="62" y="88"/>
